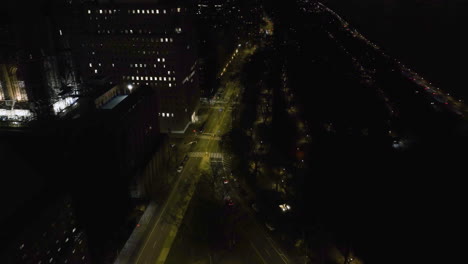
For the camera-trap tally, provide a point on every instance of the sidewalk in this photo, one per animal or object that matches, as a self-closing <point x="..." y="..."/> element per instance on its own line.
<point x="137" y="236"/>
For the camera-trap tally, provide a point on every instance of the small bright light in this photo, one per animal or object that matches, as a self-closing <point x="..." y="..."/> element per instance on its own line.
<point x="285" y="207"/>
<point x="130" y="87"/>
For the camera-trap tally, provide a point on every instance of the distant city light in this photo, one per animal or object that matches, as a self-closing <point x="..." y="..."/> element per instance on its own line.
<point x="130" y="87"/>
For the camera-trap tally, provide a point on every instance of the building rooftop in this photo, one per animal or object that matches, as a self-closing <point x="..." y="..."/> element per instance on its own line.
<point x="114" y="102"/>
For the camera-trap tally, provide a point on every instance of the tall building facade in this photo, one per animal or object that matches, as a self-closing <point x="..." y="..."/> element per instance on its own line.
<point x="144" y="43"/>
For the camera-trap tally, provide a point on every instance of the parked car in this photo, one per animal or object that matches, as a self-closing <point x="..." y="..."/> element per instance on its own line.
<point x="270" y="226"/>
<point x="254" y="207"/>
<point x="229" y="202"/>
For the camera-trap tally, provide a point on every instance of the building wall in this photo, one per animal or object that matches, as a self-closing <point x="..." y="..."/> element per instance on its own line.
<point x="10" y="87"/>
<point x="110" y="148"/>
<point x="144" y="44"/>
<point x="54" y="237"/>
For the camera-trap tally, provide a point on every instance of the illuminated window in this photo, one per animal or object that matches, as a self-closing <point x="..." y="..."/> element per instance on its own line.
<point x="164" y="11"/>
<point x="172" y="114"/>
<point x="162" y="40"/>
<point x="138" y="11"/>
<point x="157" y="11"/>
<point x="171" y="39"/>
<point x="133" y="77"/>
<point x="151" y="78"/>
<point x="163" y="59"/>
<point x="90" y="65"/>
<point x="159" y="59"/>
<point x="152" y="11"/>
<point x="170" y="85"/>
<point x="95" y="70"/>
<point x="142" y="11"/>
<point x="167" y="40"/>
<point x="89" y="11"/>
<point x="100" y="11"/>
<point x="164" y="114"/>
<point x="164" y="78"/>
<point x="169" y="72"/>
<point x="178" y="10"/>
<point x="160" y="78"/>
<point x="138" y="78"/>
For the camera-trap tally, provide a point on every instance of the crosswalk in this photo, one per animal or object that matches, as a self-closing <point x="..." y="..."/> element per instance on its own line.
<point x="227" y="164"/>
<point x="215" y="155"/>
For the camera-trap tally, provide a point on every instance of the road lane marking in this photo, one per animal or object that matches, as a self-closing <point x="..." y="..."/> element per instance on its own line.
<point x="258" y="253"/>
<point x="282" y="256"/>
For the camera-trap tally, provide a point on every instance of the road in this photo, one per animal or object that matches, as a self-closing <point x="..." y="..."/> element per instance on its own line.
<point x="254" y="232"/>
<point x="158" y="241"/>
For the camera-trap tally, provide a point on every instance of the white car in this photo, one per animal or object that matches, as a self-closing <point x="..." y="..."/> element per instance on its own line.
<point x="270" y="226"/>
<point x="254" y="206"/>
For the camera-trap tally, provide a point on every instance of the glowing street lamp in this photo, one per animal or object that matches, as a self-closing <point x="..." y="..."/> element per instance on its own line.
<point x="130" y="87"/>
<point x="285" y="207"/>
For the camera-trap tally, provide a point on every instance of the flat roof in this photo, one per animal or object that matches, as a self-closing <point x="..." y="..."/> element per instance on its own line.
<point x="114" y="102"/>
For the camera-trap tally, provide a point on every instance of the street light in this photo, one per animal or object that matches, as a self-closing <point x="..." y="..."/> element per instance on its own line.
<point x="130" y="87"/>
<point x="285" y="207"/>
